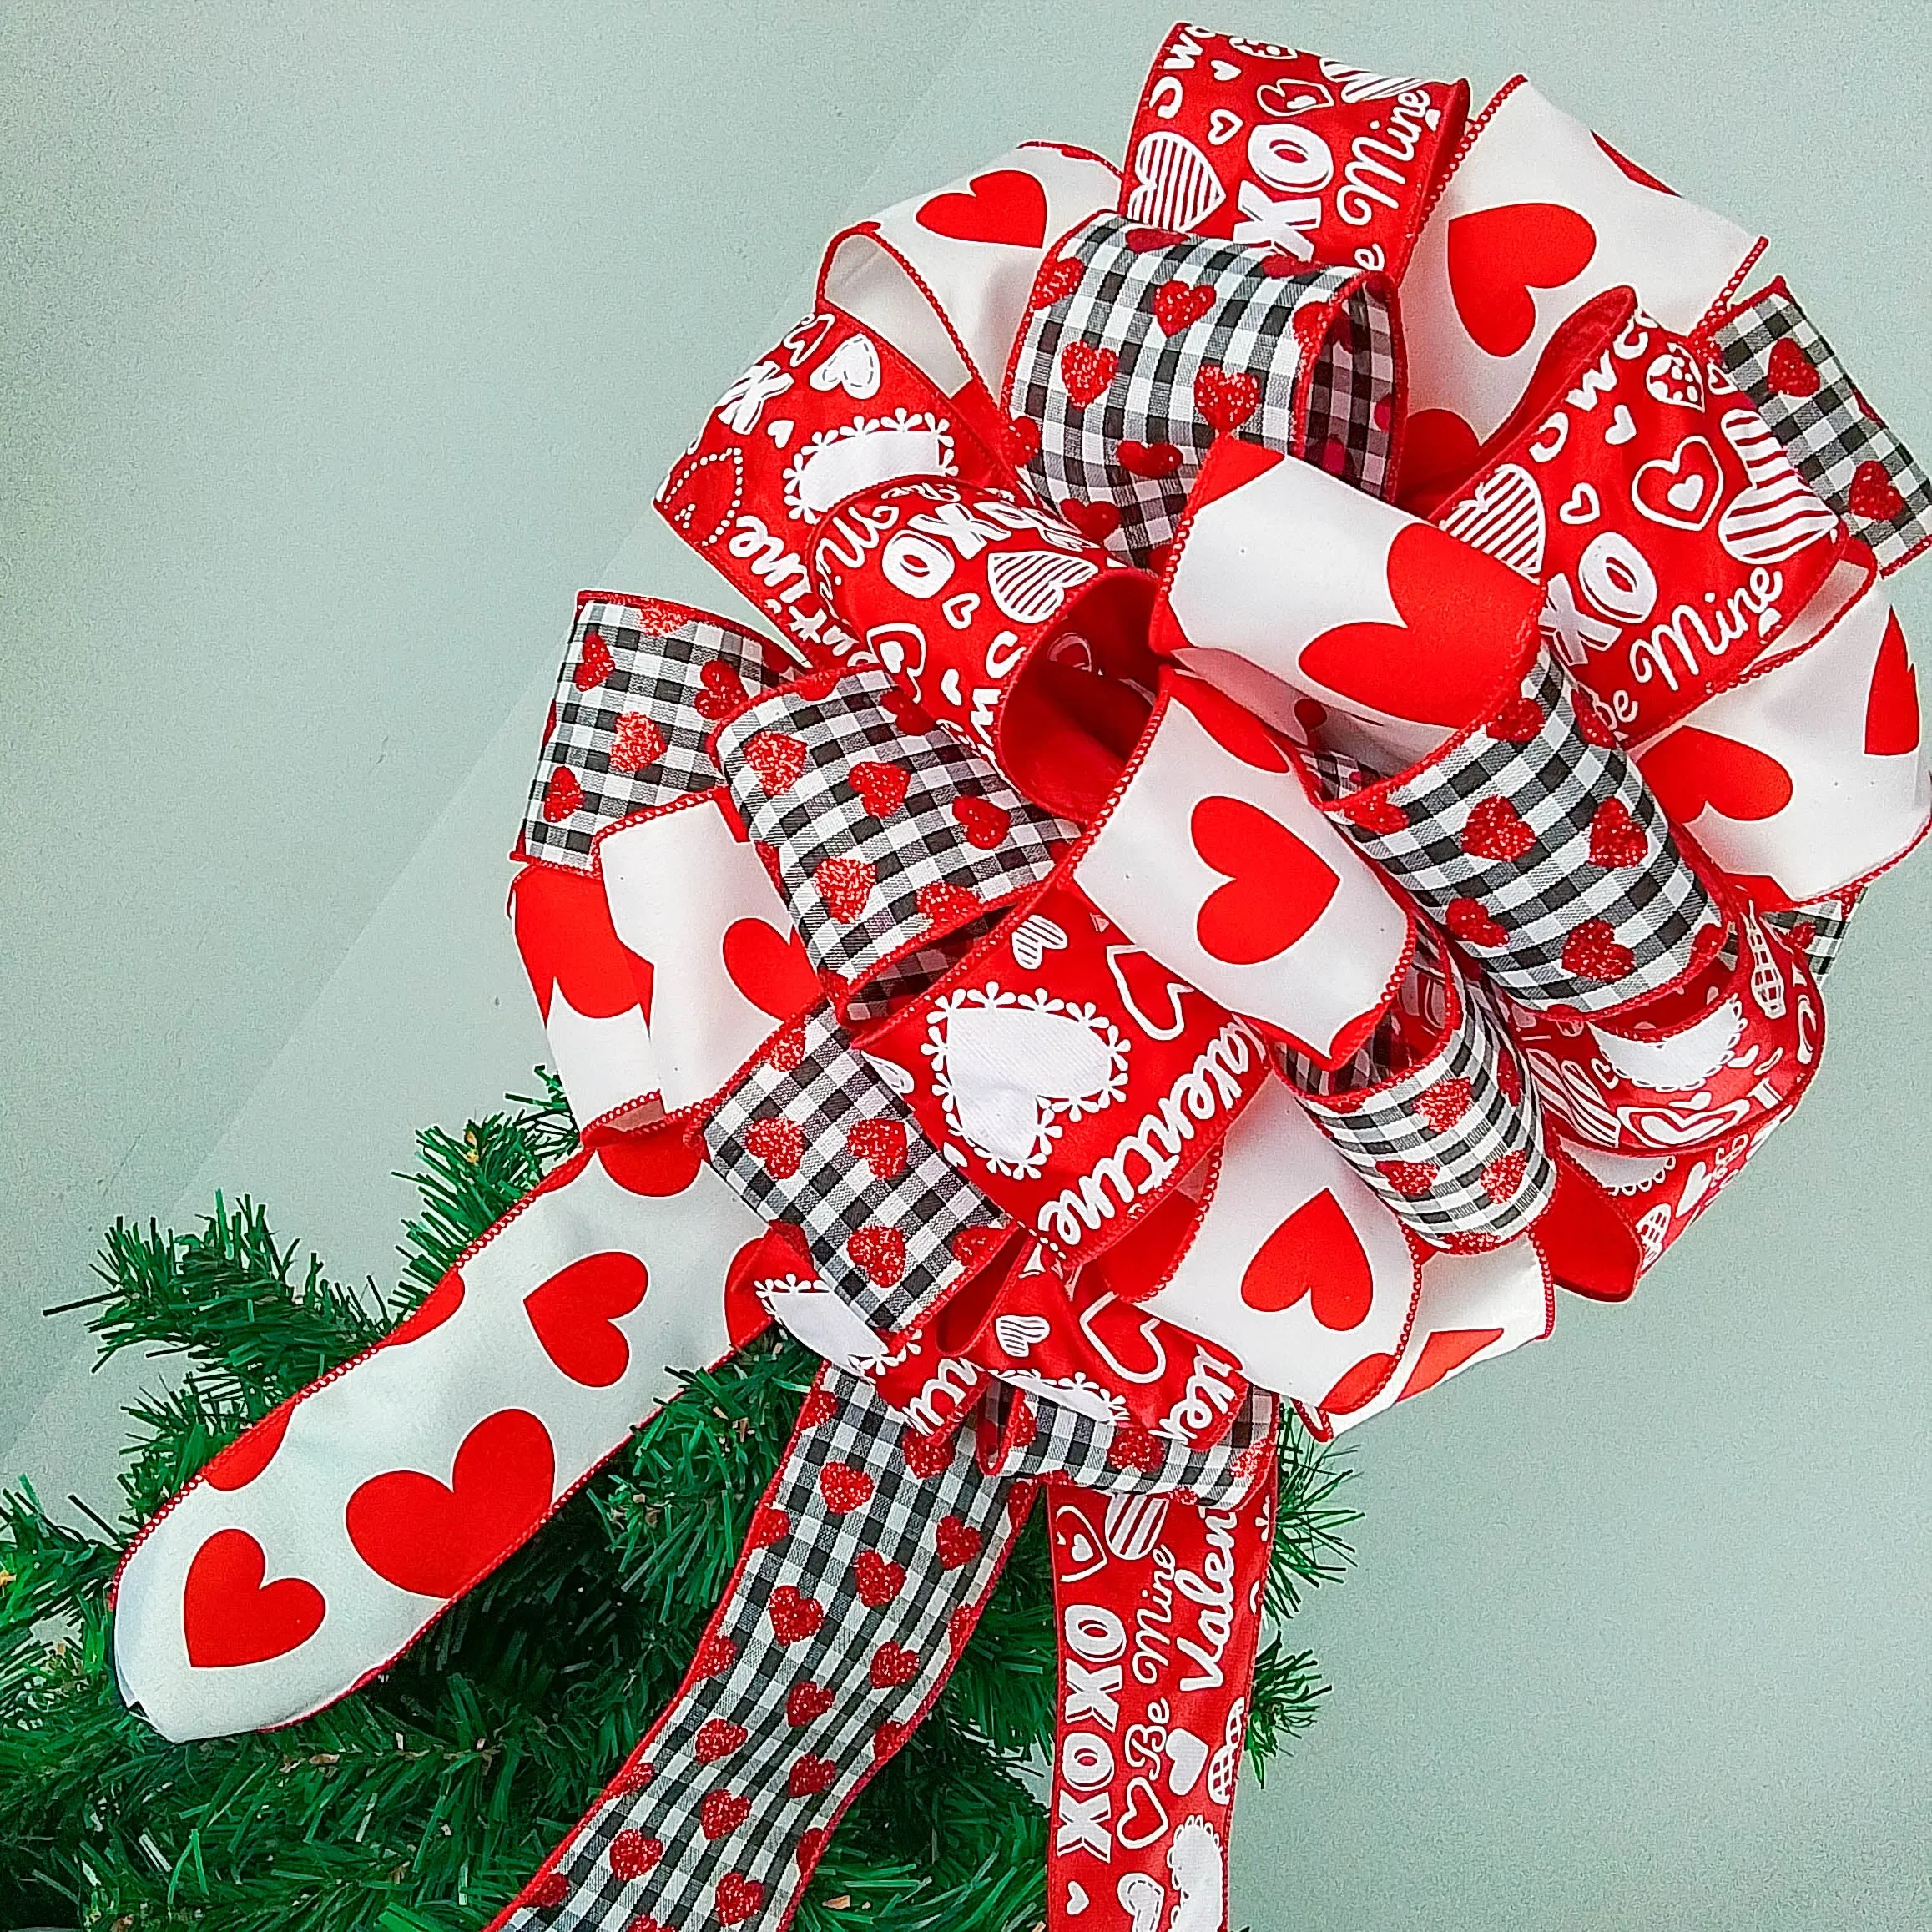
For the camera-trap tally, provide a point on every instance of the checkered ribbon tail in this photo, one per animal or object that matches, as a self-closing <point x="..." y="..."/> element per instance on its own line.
<point x="1184" y="334"/>
<point x="1770" y="349"/>
<point x="883" y="830"/>
<point x="1453" y="1144"/>
<point x="642" y="685"/>
<point x="1544" y="854"/>
<point x="866" y="1565"/>
<point x="814" y="1138"/>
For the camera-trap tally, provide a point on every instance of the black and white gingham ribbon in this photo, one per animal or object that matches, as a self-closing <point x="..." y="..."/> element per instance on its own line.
<point x="1548" y="924"/>
<point x="1818" y="929"/>
<point x="1452" y="1144"/>
<point x="634" y="706"/>
<point x="952" y="834"/>
<point x="798" y="1139"/>
<point x="1334" y="405"/>
<point x="1830" y="432"/>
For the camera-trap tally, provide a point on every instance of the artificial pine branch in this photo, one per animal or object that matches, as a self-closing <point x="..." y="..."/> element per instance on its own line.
<point x="423" y="1802"/>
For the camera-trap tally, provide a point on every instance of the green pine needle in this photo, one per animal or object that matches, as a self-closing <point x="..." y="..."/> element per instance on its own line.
<point x="421" y="1803"/>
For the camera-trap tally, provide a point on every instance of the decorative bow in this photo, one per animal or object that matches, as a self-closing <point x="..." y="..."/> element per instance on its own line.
<point x="1333" y="698"/>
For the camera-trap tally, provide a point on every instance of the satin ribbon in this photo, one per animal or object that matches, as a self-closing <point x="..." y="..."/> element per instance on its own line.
<point x="1334" y="701"/>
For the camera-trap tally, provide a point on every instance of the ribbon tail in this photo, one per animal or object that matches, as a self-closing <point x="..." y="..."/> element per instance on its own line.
<point x="866" y="1566"/>
<point x="1157" y="1601"/>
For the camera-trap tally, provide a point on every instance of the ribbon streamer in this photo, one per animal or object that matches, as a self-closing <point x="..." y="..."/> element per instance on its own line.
<point x="1333" y="698"/>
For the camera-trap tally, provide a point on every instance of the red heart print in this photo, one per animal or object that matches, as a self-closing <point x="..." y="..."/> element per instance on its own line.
<point x="547" y="1889"/>
<point x="434" y="1538"/>
<point x="575" y="1312"/>
<point x="635" y="742"/>
<point x="820" y="1405"/>
<point x="1461" y="619"/>
<point x="1494" y="830"/>
<point x="892" y="1666"/>
<point x="1005" y="206"/>
<point x="737" y="1897"/>
<point x="877" y="1579"/>
<point x="254" y="1449"/>
<point x="1145" y="240"/>
<point x="1153" y="459"/>
<point x="881" y="1252"/>
<point x="1225" y="399"/>
<point x="1177" y="303"/>
<point x="943" y="903"/>
<point x="1315" y="1252"/>
<point x="1235" y="728"/>
<point x="957" y="1541"/>
<point x="1057" y="280"/>
<point x="1682" y="492"/>
<point x="845" y="884"/>
<point x="1504" y="1176"/>
<point x="772" y="969"/>
<point x="778" y="758"/>
<point x="1135" y="1448"/>
<point x="779" y="1144"/>
<point x="971" y="1246"/>
<point x="562" y="796"/>
<point x="594" y="665"/>
<point x="1096" y="522"/>
<point x="1444" y="1351"/>
<point x="1277" y="887"/>
<point x="810" y="1776"/>
<point x="984" y="823"/>
<point x="1891" y="705"/>
<point x="1444" y="1103"/>
<point x="1376" y="812"/>
<point x="879" y="787"/>
<point x="1694" y="769"/>
<point x="959" y="1625"/>
<point x="1790" y="371"/>
<point x="880" y="1144"/>
<point x="716" y="1654"/>
<point x="843" y="1488"/>
<point x="1509" y="1079"/>
<point x="1470" y="921"/>
<point x="656" y="1163"/>
<point x="1359" y="1384"/>
<point x="927" y="1455"/>
<point x="769" y="1526"/>
<point x="1873" y="494"/>
<point x="1411" y="1179"/>
<point x="631" y="1854"/>
<point x="717" y="1738"/>
<point x="1593" y="951"/>
<point x="1143" y="1819"/>
<point x="1498" y="254"/>
<point x="701" y="495"/>
<point x="724" y="690"/>
<point x="1023" y="434"/>
<point x="1086" y="369"/>
<point x="793" y="1615"/>
<point x="1518" y="723"/>
<point x="723" y="1812"/>
<point x="806" y="1701"/>
<point x="1615" y="837"/>
<point x="230" y="1616"/>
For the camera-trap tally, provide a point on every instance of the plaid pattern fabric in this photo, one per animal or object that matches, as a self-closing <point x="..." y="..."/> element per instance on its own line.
<point x="1545" y="922"/>
<point x="712" y="1810"/>
<point x="1452" y="1149"/>
<point x="917" y="829"/>
<point x="1818" y="929"/>
<point x="1833" y="438"/>
<point x="1257" y="326"/>
<point x="799" y="1141"/>
<point x="642" y="685"/>
<point x="1064" y="1445"/>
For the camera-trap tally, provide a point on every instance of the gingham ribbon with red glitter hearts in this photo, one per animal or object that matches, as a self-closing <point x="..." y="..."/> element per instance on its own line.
<point x="1335" y="698"/>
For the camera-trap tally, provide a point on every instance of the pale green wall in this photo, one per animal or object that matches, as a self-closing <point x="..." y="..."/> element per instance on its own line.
<point x="341" y="344"/>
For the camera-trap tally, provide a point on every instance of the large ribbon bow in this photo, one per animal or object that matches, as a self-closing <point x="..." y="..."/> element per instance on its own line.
<point x="1333" y="700"/>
